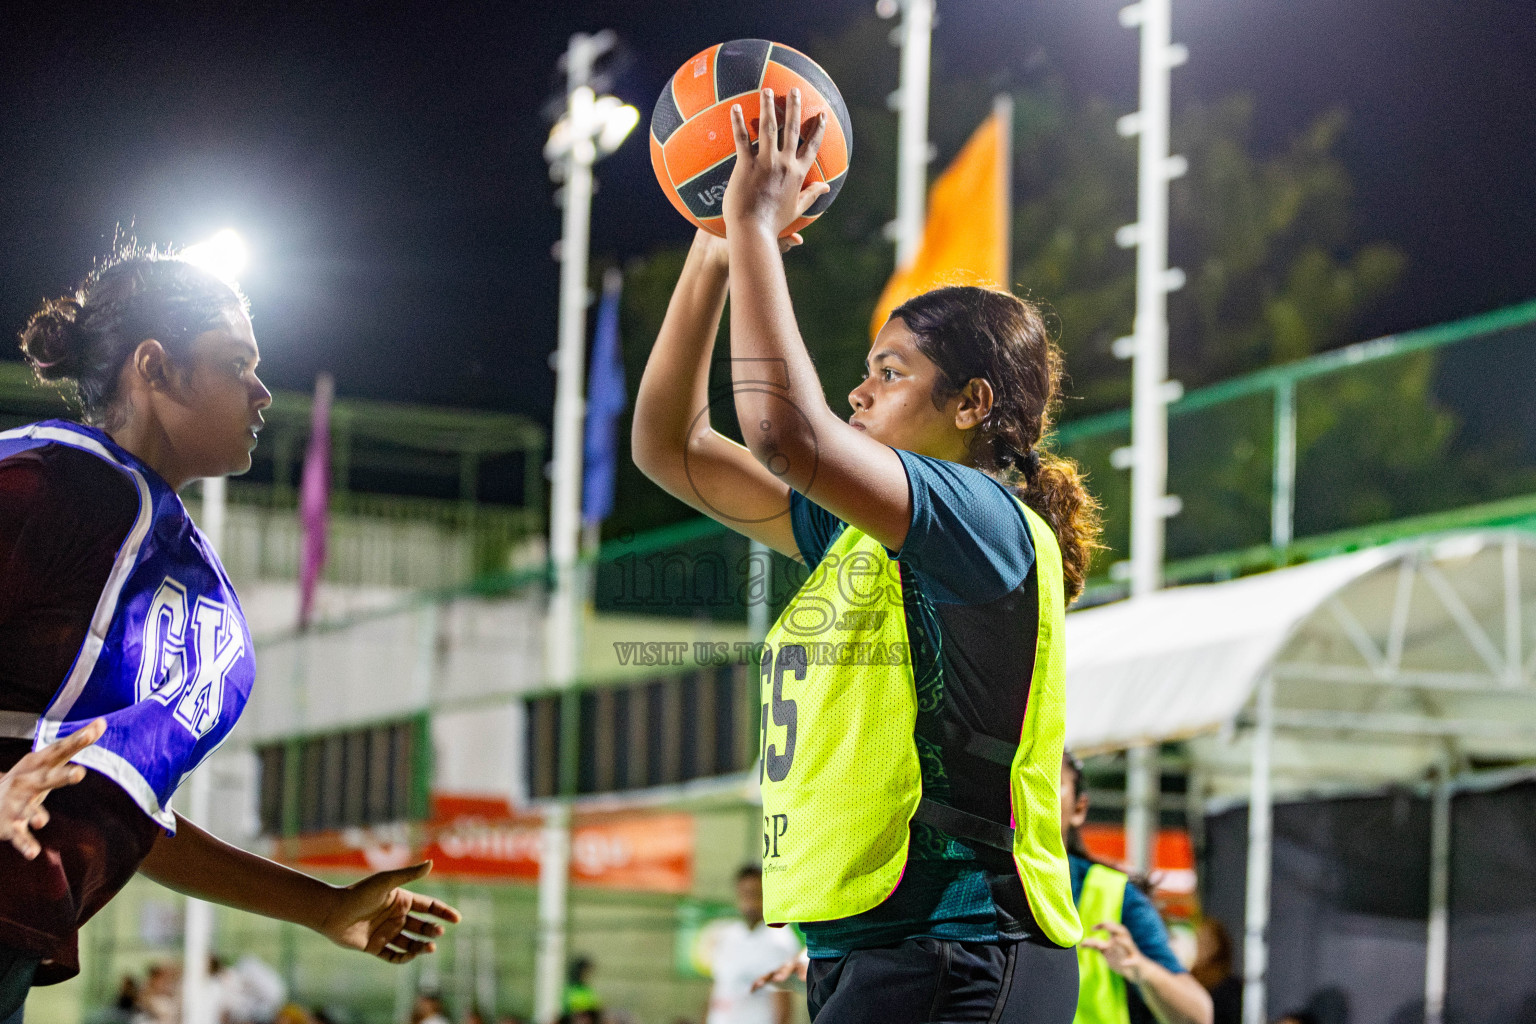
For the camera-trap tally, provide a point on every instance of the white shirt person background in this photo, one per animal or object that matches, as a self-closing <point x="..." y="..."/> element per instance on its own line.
<point x="744" y="951"/>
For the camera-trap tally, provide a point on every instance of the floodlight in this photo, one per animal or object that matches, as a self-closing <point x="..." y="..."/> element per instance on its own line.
<point x="223" y="255"/>
<point x="617" y="126"/>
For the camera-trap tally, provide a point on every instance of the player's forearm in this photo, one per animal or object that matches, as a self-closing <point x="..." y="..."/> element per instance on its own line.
<point x="1173" y="998"/>
<point x="782" y="418"/>
<point x="674" y="389"/>
<point x="195" y="863"/>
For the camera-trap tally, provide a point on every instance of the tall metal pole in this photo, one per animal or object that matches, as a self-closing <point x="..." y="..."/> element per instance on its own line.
<point x="1151" y="391"/>
<point x="911" y="102"/>
<point x="1260" y="832"/>
<point x="759" y="583"/>
<point x="1438" y="933"/>
<point x="1282" y="512"/>
<point x="197" y="940"/>
<point x="563" y="621"/>
<point x="1142" y="811"/>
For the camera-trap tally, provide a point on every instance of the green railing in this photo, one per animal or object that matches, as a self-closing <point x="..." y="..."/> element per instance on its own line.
<point x="1411" y="432"/>
<point x="376" y="447"/>
<point x="1418" y="432"/>
<point x="421" y="497"/>
<point x="383" y="539"/>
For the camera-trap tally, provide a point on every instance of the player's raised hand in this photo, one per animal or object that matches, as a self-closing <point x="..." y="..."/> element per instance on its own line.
<point x="379" y="918"/>
<point x="766" y="183"/>
<point x="24" y="787"/>
<point x="718" y="251"/>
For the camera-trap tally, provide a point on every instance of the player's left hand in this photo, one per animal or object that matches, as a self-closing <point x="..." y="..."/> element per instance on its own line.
<point x="378" y="917"/>
<point x="1119" y="949"/>
<point x="765" y="186"/>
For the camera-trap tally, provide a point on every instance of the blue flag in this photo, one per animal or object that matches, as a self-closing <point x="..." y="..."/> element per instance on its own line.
<point x="606" y="399"/>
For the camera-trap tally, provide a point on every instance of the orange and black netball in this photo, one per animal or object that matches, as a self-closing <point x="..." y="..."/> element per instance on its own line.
<point x="692" y="149"/>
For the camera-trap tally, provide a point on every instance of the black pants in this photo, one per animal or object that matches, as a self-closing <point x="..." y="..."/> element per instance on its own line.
<point x="16" y="970"/>
<point x="945" y="982"/>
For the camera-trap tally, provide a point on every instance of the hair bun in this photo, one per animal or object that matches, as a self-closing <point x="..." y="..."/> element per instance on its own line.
<point x="53" y="341"/>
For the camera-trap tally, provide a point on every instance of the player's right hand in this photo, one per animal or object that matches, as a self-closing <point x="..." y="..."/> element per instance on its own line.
<point x="23" y="788"/>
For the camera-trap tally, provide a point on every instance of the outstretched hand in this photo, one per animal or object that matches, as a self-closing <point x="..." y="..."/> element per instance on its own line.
<point x="766" y="183"/>
<point x="796" y="968"/>
<point x="378" y="917"/>
<point x="24" y="787"/>
<point x="1119" y="949"/>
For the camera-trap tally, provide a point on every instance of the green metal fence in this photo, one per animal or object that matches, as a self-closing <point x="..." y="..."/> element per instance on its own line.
<point x="1427" y="430"/>
<point x="1430" y="429"/>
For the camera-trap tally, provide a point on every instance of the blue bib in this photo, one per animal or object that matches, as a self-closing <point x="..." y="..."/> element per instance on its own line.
<point x="167" y="661"/>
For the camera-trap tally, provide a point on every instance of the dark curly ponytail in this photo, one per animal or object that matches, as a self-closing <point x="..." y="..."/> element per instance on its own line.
<point x="975" y="332"/>
<point x="80" y="342"/>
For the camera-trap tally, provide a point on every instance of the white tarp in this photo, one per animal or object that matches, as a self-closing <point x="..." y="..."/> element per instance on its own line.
<point x="1386" y="661"/>
<point x="1185" y="661"/>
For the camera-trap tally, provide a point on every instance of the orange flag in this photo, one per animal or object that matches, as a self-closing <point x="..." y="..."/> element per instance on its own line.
<point x="965" y="238"/>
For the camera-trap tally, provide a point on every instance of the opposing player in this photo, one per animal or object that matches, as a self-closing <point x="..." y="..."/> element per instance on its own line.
<point x="124" y="656"/>
<point x="912" y="690"/>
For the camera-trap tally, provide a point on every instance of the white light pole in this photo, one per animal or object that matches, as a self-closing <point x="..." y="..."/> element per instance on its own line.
<point x="224" y="256"/>
<point x="591" y="128"/>
<point x="197" y="1005"/>
<point x="1151" y="391"/>
<point x="915" y="37"/>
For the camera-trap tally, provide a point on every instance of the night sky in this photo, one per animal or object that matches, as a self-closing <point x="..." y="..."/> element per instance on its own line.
<point x="384" y="160"/>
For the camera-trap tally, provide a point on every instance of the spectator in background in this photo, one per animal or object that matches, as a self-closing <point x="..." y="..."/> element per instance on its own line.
<point x="1213" y="970"/>
<point x="122" y="1007"/>
<point x="1126" y="970"/>
<point x="160" y="998"/>
<point x="746" y="950"/>
<point x="579" y="995"/>
<point x="429" y="1009"/>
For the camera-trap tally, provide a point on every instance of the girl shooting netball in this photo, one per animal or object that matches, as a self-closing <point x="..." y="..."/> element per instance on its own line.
<point x="912" y="823"/>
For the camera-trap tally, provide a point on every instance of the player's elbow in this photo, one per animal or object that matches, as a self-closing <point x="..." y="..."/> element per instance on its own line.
<point x="643" y="451"/>
<point x="784" y="443"/>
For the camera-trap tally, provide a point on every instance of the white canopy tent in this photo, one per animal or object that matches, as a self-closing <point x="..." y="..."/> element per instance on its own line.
<point x="1398" y="663"/>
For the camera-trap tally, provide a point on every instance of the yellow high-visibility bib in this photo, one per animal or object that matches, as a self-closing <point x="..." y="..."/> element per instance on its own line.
<point x="1101" y="997"/>
<point x="840" y="775"/>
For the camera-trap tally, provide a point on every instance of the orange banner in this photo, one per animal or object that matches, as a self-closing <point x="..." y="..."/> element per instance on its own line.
<point x="1173" y="863"/>
<point x="478" y="837"/>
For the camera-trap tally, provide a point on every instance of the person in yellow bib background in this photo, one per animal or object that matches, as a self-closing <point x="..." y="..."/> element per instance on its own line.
<point x="1127" y="973"/>
<point x="912" y="691"/>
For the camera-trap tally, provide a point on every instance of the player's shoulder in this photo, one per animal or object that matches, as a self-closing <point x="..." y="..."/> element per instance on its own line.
<point x="59" y="479"/>
<point x="73" y="471"/>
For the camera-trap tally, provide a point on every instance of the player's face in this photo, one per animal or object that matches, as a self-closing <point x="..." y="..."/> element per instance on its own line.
<point x="894" y="402"/>
<point x="213" y="423"/>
